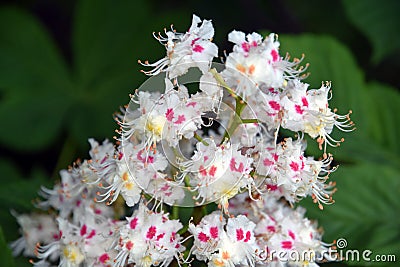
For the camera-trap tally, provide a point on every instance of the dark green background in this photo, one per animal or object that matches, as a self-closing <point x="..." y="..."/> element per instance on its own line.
<point x="66" y="66"/>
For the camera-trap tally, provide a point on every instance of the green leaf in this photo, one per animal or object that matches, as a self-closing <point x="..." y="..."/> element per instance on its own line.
<point x="366" y="210"/>
<point x="33" y="83"/>
<point x="17" y="193"/>
<point x="5" y="252"/>
<point x="383" y="116"/>
<point x="379" y="22"/>
<point x="108" y="39"/>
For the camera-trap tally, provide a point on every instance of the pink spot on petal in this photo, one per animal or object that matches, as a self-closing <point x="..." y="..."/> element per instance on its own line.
<point x="91" y="234"/>
<point x="286" y="244"/>
<point x="203" y="237"/>
<point x="275" y="55"/>
<point x="104" y="258"/>
<point x="165" y="187"/>
<point x="214" y="232"/>
<point x="245" y="47"/>
<point x="202" y="170"/>
<point x="271" y="228"/>
<point x="304" y="101"/>
<point x="160" y="236"/>
<point x="83" y="230"/>
<point x="291" y="234"/>
<point x="267" y="162"/>
<point x="129" y="245"/>
<point x="133" y="223"/>
<point x="151" y="232"/>
<point x="194" y="41"/>
<point x="191" y="104"/>
<point x="241" y="167"/>
<point x="198" y="48"/>
<point x="169" y="114"/>
<point x="212" y="170"/>
<point x="294" y="166"/>
<point x="272" y="187"/>
<point x="274" y="105"/>
<point x="181" y="118"/>
<point x="298" y="109"/>
<point x="248" y="236"/>
<point x="239" y="234"/>
<point x="232" y="164"/>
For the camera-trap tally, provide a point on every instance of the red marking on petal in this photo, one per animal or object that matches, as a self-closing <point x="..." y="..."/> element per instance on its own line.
<point x="294" y="166"/>
<point x="169" y="114"/>
<point x="164" y="187"/>
<point x="83" y="230"/>
<point x="203" y="237"/>
<point x="274" y="105"/>
<point x="291" y="234"/>
<point x="104" y="258"/>
<point x="271" y="228"/>
<point x="248" y="236"/>
<point x="133" y="223"/>
<point x="239" y="234"/>
<point x="198" y="48"/>
<point x="191" y="104"/>
<point x="129" y="245"/>
<point x="202" y="170"/>
<point x="286" y="244"/>
<point x="298" y="109"/>
<point x="91" y="234"/>
<point x="214" y="232"/>
<point x="246" y="47"/>
<point x="212" y="170"/>
<point x="241" y="167"/>
<point x="194" y="41"/>
<point x="304" y="101"/>
<point x="272" y="187"/>
<point x="160" y="236"/>
<point x="268" y="162"/>
<point x="151" y="232"/>
<point x="172" y="237"/>
<point x="181" y="118"/>
<point x="275" y="55"/>
<point x="232" y="164"/>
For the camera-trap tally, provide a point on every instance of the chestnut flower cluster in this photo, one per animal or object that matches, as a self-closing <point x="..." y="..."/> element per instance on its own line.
<point x="215" y="149"/>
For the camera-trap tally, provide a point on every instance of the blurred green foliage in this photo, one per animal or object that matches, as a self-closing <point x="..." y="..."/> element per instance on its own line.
<point x="52" y="100"/>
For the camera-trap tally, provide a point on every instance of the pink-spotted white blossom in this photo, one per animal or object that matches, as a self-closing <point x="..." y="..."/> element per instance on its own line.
<point x="289" y="173"/>
<point x="148" y="238"/>
<point x="169" y="116"/>
<point x="308" y="111"/>
<point x="218" y="172"/>
<point x="233" y="244"/>
<point x="281" y="230"/>
<point x="186" y="50"/>
<point x="255" y="64"/>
